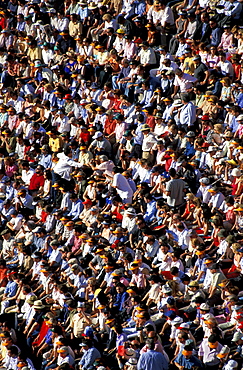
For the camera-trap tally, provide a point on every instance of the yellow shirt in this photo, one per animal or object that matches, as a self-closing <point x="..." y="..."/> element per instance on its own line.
<point x="75" y="29"/>
<point x="78" y="324"/>
<point x="34" y="54"/>
<point x="189" y="66"/>
<point x="55" y="144"/>
<point x="102" y="57"/>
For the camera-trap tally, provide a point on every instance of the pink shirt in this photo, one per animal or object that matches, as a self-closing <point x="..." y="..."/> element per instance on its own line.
<point x="129" y="50"/>
<point x="119" y="131"/>
<point x="226" y="41"/>
<point x="139" y="280"/>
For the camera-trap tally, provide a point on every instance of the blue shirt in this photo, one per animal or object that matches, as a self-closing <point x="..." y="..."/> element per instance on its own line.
<point x="83" y="13"/>
<point x="217" y="89"/>
<point x="120" y="299"/>
<point x="189" y="151"/>
<point x="48" y="337"/>
<point x="89" y="358"/>
<point x="11" y="289"/>
<point x="152" y="360"/>
<point x="216" y="36"/>
<point x="76" y="209"/>
<point x="45" y="160"/>
<point x="239" y="100"/>
<point x="188" y="363"/>
<point x="139" y="7"/>
<point x="234" y="124"/>
<point x="151" y="211"/>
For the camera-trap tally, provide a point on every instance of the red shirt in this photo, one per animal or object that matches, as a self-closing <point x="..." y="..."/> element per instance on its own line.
<point x="109" y="126"/>
<point x="85" y="136"/>
<point x="150" y="121"/>
<point x="237" y="70"/>
<point x="36" y="182"/>
<point x="3" y="23"/>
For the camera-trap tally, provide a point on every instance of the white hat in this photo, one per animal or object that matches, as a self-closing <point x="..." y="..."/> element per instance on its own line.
<point x="177" y="103"/>
<point x="236" y="172"/>
<point x="38" y="305"/>
<point x="204" y="180"/>
<point x="166" y="289"/>
<point x="130" y="352"/>
<point x="232" y="364"/>
<point x="208" y="316"/>
<point x="239" y="118"/>
<point x="97" y="134"/>
<point x="218" y="155"/>
<point x="72" y="261"/>
<point x="211" y="149"/>
<point x="204" y="306"/>
<point x="177" y="320"/>
<point x="131" y="361"/>
<point x="184" y="325"/>
<point x="237" y="336"/>
<point x="83" y="101"/>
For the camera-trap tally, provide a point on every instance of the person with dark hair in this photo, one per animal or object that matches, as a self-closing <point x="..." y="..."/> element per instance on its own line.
<point x="37" y="181"/>
<point x="90" y="354"/>
<point x="208" y="351"/>
<point x="175" y="190"/>
<point x="187" y="114"/>
<point x="63" y="168"/>
<point x="186" y="360"/>
<point x="152" y="359"/>
<point x="121" y="184"/>
<point x="151" y="209"/>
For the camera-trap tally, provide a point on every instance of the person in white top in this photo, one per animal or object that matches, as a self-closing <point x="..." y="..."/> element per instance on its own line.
<point x="167" y="16"/>
<point x="184" y="81"/>
<point x="146" y="56"/>
<point x="15" y="222"/>
<point x="225" y="66"/>
<point x="65" y="164"/>
<point x="27" y="173"/>
<point x="122" y="186"/>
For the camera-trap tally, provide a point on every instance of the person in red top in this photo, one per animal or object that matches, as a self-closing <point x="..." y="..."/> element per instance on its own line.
<point x="37" y="181"/>
<point x="150" y="119"/>
<point x="3" y="20"/>
<point x="84" y="135"/>
<point x="117" y="101"/>
<point x="3" y="273"/>
<point x="235" y="60"/>
<point x="110" y="123"/>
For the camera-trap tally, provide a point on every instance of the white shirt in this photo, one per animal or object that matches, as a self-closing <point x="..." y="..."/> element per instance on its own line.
<point x="26" y="175"/>
<point x="16" y="222"/>
<point x="64" y="166"/>
<point x="62" y="124"/>
<point x="122" y="186"/>
<point x="147" y="56"/>
<point x="226" y="68"/>
<point x="148" y="142"/>
<point x="167" y="16"/>
<point x="216" y="200"/>
<point x="185" y="82"/>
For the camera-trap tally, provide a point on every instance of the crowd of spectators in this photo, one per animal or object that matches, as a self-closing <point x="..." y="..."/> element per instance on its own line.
<point x="121" y="178"/>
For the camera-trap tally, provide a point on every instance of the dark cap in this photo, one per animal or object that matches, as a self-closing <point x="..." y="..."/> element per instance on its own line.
<point x="214" y="266"/>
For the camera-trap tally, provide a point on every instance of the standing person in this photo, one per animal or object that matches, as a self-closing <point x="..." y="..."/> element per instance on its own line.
<point x="175" y="190"/>
<point x="152" y="360"/>
<point x="149" y="142"/>
<point x="122" y="186"/>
